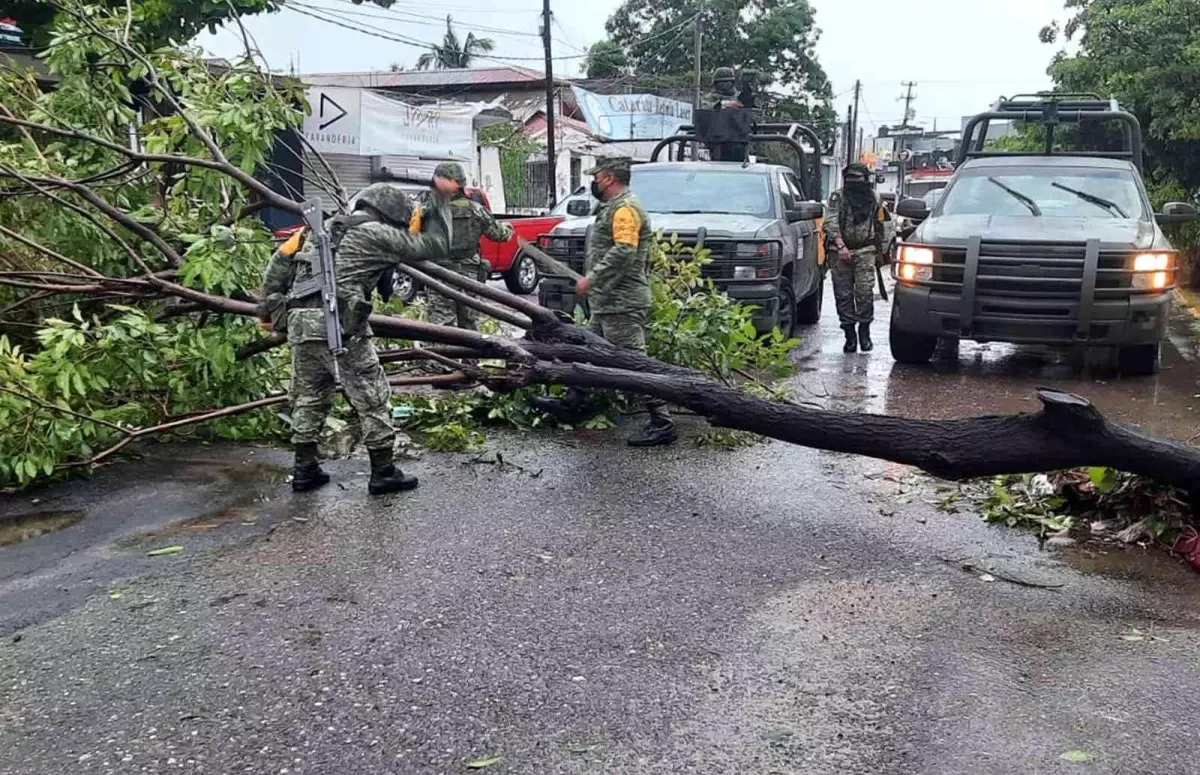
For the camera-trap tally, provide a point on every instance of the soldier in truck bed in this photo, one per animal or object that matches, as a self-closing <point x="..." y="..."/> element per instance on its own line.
<point x="855" y="234"/>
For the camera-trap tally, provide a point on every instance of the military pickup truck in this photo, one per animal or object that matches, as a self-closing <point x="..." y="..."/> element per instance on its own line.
<point x="752" y="217"/>
<point x="1048" y="246"/>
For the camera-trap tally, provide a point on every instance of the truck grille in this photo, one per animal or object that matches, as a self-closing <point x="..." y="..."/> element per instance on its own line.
<point x="572" y="252"/>
<point x="1035" y="271"/>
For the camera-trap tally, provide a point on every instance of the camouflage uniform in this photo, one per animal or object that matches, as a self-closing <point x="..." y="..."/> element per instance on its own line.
<point x="366" y="250"/>
<point x="854" y="280"/>
<point x="618" y="268"/>
<point x="470" y="221"/>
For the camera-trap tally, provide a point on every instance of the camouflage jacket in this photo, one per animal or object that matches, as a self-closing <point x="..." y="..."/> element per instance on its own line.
<point x="618" y="257"/>
<point x="366" y="249"/>
<point x="869" y="235"/>
<point x="471" y="221"/>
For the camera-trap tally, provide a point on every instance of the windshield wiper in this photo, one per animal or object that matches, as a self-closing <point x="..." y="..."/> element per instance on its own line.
<point x="1099" y="201"/>
<point x="1022" y="198"/>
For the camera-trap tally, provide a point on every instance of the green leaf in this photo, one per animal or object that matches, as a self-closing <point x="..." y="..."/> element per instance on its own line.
<point x="479" y="764"/>
<point x="1076" y="757"/>
<point x="1104" y="479"/>
<point x="166" y="550"/>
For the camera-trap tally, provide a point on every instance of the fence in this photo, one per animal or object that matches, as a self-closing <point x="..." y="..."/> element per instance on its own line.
<point x="528" y="189"/>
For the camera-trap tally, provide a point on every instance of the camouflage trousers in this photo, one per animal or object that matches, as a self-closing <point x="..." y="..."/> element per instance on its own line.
<point x="628" y="330"/>
<point x="448" y="312"/>
<point x="363" y="383"/>
<point x="854" y="286"/>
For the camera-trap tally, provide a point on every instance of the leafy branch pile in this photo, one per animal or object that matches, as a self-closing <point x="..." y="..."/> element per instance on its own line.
<point x="1096" y="503"/>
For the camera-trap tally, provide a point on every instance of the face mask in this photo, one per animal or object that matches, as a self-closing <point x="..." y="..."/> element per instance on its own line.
<point x="596" y="192"/>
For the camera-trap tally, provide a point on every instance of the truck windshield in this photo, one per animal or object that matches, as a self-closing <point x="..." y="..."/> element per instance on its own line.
<point x="1055" y="192"/>
<point x="703" y="191"/>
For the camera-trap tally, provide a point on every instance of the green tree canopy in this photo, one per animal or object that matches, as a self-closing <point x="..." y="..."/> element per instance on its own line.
<point x="454" y="53"/>
<point x="1146" y="54"/>
<point x="776" y="37"/>
<point x="605" y="59"/>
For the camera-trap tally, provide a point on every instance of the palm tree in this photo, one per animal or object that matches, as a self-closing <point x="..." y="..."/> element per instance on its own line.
<point x="453" y="53"/>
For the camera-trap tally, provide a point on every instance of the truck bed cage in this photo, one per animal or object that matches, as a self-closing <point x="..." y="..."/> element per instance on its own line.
<point x="740" y="130"/>
<point x="1051" y="109"/>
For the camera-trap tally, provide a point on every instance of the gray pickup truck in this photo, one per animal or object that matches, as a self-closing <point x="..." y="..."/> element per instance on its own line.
<point x="1043" y="246"/>
<point x="761" y="231"/>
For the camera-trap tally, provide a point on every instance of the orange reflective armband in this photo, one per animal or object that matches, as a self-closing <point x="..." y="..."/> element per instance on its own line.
<point x="626" y="227"/>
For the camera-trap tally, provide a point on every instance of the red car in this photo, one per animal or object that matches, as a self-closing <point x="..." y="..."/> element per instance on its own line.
<point x="507" y="262"/>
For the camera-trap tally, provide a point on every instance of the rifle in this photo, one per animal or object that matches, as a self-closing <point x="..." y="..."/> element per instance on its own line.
<point x="324" y="281"/>
<point x="879" y="277"/>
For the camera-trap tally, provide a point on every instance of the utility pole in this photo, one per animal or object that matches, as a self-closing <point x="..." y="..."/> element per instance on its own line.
<point x="696" y="104"/>
<point x="849" y="134"/>
<point x="551" y="151"/>
<point x="908" y="100"/>
<point x="854" y="130"/>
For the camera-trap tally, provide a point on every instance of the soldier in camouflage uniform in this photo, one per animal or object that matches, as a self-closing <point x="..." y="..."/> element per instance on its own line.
<point x="617" y="285"/>
<point x="470" y="220"/>
<point x="369" y="244"/>
<point x="855" y="233"/>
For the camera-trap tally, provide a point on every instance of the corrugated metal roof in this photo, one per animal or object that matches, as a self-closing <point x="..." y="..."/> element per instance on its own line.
<point x="430" y="79"/>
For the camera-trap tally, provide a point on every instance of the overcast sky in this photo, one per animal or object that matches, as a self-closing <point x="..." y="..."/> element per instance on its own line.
<point x="961" y="61"/>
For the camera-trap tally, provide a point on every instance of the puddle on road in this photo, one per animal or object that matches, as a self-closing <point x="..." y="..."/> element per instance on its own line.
<point x="27" y="526"/>
<point x="1153" y="567"/>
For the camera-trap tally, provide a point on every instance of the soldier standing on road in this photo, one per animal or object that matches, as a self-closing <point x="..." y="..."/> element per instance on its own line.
<point x="854" y="233"/>
<point x="369" y="244"/>
<point x="617" y="285"/>
<point x="470" y="221"/>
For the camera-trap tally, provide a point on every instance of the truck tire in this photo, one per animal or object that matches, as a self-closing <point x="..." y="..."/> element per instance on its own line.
<point x="1139" y="360"/>
<point x="786" y="321"/>
<point x="808" y="311"/>
<point x="909" y="348"/>
<point x="406" y="287"/>
<point x="522" y="277"/>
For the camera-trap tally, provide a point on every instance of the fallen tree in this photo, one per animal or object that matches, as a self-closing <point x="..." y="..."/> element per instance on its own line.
<point x="176" y="273"/>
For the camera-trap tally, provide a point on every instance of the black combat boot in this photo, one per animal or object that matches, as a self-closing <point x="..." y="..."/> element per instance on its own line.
<point x="572" y="409"/>
<point x="659" y="431"/>
<point x="864" y="337"/>
<point x="385" y="477"/>
<point x="851" y="345"/>
<point x="307" y="474"/>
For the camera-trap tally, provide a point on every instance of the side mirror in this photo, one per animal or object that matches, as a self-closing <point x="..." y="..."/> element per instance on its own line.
<point x="806" y="211"/>
<point x="1177" y="212"/>
<point x="579" y="207"/>
<point x="913" y="209"/>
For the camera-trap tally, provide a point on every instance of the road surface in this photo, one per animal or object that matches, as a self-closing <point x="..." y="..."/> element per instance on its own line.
<point x="772" y="609"/>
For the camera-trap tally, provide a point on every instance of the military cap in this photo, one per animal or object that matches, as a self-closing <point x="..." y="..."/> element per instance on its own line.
<point x="857" y="168"/>
<point x="723" y="74"/>
<point x="610" y="164"/>
<point x="450" y="170"/>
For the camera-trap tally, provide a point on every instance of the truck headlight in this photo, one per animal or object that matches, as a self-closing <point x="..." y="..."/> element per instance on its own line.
<point x="1151" y="271"/>
<point x="744" y="272"/>
<point x="916" y="263"/>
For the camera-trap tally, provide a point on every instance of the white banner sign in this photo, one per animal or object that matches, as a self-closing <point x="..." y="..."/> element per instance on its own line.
<point x="335" y="122"/>
<point x="394" y="128"/>
<point x="366" y="123"/>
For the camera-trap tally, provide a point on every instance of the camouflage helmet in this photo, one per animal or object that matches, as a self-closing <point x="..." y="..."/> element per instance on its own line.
<point x="388" y="200"/>
<point x="723" y="74"/>
<point x="451" y="170"/>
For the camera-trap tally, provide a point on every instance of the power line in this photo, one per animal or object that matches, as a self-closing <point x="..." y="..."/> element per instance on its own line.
<point x="416" y="18"/>
<point x="397" y="38"/>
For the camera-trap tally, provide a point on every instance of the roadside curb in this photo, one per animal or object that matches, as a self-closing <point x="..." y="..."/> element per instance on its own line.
<point x="1190" y="300"/>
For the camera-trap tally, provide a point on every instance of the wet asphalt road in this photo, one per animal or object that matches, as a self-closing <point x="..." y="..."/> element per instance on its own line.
<point x="768" y="610"/>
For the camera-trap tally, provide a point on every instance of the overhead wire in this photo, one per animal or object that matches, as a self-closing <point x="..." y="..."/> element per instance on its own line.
<point x="409" y="41"/>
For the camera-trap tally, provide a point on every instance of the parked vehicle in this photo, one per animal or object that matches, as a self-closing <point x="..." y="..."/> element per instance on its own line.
<point x="1053" y="247"/>
<point x="507" y="262"/>
<point x="760" y="222"/>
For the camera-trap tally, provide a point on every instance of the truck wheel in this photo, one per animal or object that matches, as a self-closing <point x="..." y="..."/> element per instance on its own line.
<point x="787" y="308"/>
<point x="913" y="349"/>
<point x="522" y="277"/>
<point x="1138" y="361"/>
<point x="808" y="311"/>
<point x="406" y="288"/>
